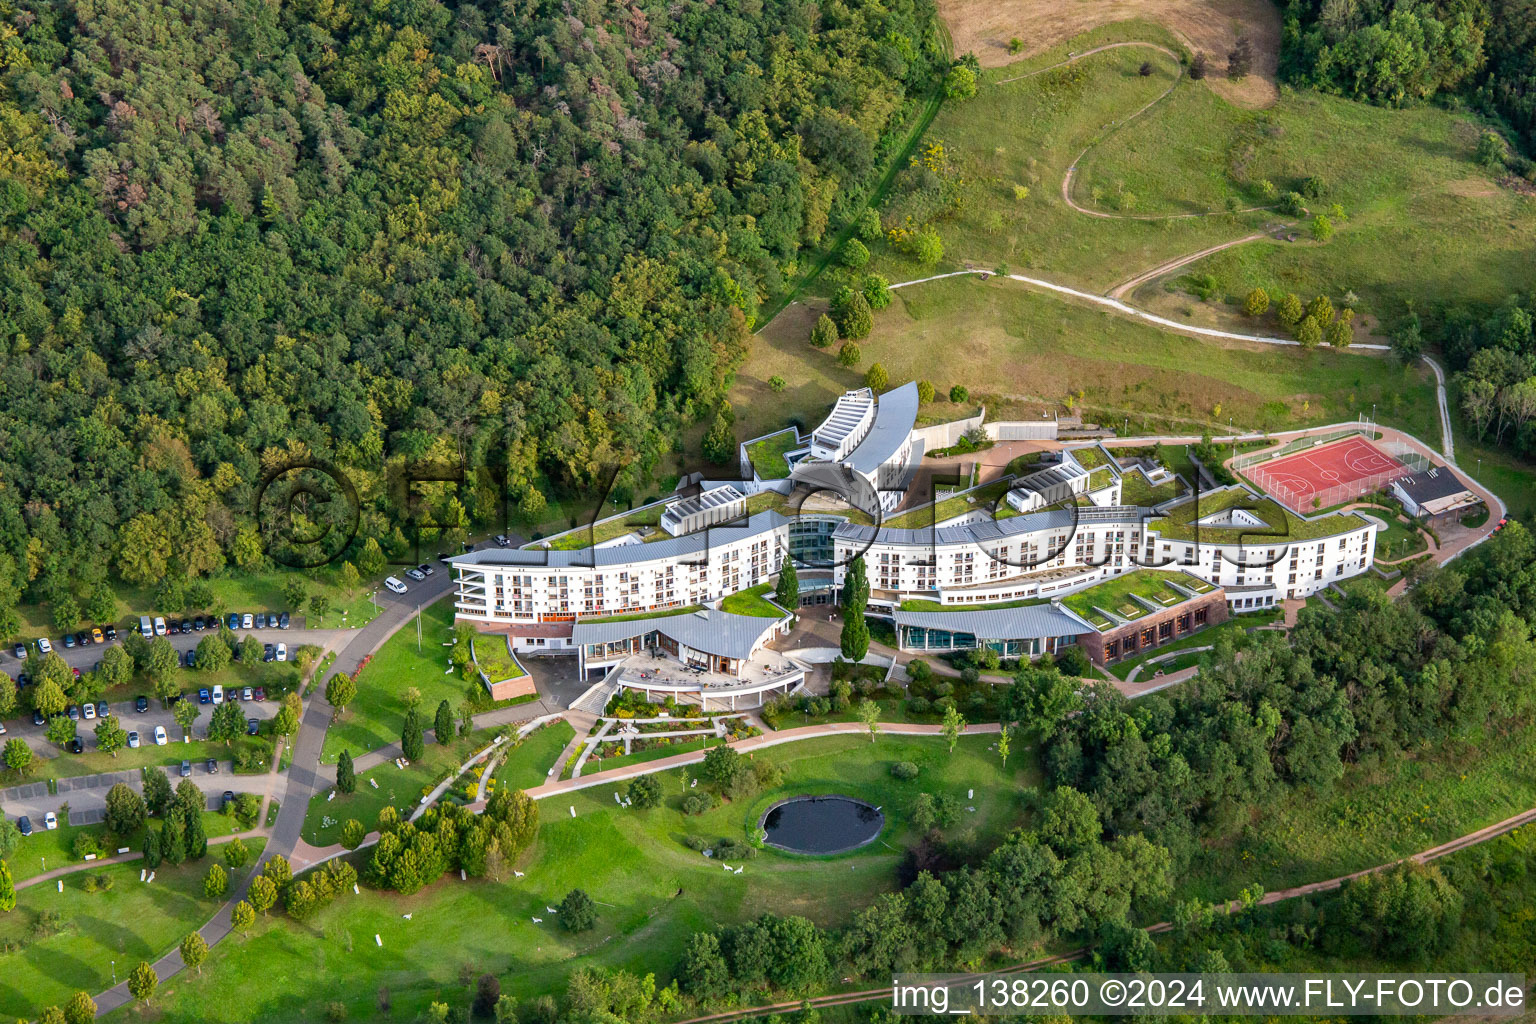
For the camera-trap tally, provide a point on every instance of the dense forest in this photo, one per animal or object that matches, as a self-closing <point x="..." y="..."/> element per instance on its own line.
<point x="1481" y="52"/>
<point x="522" y="234"/>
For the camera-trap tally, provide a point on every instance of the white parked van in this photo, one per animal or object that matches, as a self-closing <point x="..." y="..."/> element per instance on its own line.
<point x="159" y="626"/>
<point x="395" y="585"/>
<point x="145" y="627"/>
<point x="218" y="693"/>
<point x="282" y="652"/>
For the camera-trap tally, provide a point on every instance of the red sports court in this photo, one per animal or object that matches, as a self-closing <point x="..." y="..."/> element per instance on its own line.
<point x="1328" y="474"/>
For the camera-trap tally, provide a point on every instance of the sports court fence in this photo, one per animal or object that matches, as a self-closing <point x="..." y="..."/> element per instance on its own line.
<point x="1299" y="445"/>
<point x="1307" y="499"/>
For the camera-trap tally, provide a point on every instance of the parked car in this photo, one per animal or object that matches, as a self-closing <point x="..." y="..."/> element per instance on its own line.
<point x="247" y="694"/>
<point x="197" y="624"/>
<point x="261" y="620"/>
<point x="415" y="574"/>
<point x="76" y="746"/>
<point x="103" y="709"/>
<point x="24" y="825"/>
<point x="269" y="653"/>
<point x="159" y="625"/>
<point x="218" y="693"/>
<point x="191" y="657"/>
<point x="186" y="769"/>
<point x="502" y="539"/>
<point x="73" y="711"/>
<point x="261" y="693"/>
<point x="44" y="646"/>
<point x="426" y="570"/>
<point x="20" y="651"/>
<point x="111" y="632"/>
<point x="246" y="620"/>
<point x="252" y="726"/>
<point x="282" y="652"/>
<point x="141" y="704"/>
<point x="37" y="718"/>
<point x="212" y="766"/>
<point x="83" y="638"/>
<point x="97" y="637"/>
<point x="133" y="739"/>
<point x="69" y="641"/>
<point x="186" y="625"/>
<point x="203" y="696"/>
<point x="160" y="737"/>
<point x="50" y="821"/>
<point x="390" y="582"/>
<point x="233" y="622"/>
<point x="282" y="621"/>
<point x="90" y="711"/>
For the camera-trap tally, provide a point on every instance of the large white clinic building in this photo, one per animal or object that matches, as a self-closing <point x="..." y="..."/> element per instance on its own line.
<point x="1258" y="552"/>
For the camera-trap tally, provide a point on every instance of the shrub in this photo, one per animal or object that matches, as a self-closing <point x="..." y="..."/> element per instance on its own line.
<point x="918" y="705"/>
<point x="905" y="770"/>
<point x="876" y="377"/>
<point x="696" y="843"/>
<point x="1015" y="45"/>
<point x="734" y="849"/>
<point x="877" y="291"/>
<point x="1322" y="228"/>
<point x="825" y="331"/>
<point x="849" y="355"/>
<point x="335" y="1011"/>
<point x="854" y="317"/>
<point x="868" y="225"/>
<point x="854" y="255"/>
<point x="1073" y="662"/>
<point x="1240" y="60"/>
<point x="1309" y="332"/>
<point x="960" y="83"/>
<point x="697" y="803"/>
<point x="776" y="384"/>
<point x="1291" y="310"/>
<point x="1198" y="67"/>
<point x="1313" y="186"/>
<point x="1293" y="204"/>
<point x="959" y="393"/>
<point x="1256" y="303"/>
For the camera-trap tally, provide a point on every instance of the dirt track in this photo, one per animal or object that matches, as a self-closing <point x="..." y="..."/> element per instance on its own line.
<point x="984" y="27"/>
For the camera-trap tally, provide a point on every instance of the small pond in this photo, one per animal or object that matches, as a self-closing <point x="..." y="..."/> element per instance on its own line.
<point x="821" y="824"/>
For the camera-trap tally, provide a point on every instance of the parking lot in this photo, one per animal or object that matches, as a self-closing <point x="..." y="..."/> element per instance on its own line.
<point x="86" y="796"/>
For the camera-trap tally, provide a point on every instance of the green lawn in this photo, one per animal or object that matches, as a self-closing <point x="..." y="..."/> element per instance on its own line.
<point x="130" y="922"/>
<point x="608" y="529"/>
<point x="985" y="497"/>
<point x="753" y="601"/>
<point x="375" y="718"/>
<point x="527" y="765"/>
<point x="95" y="763"/>
<point x="999" y="338"/>
<point x="1115" y="594"/>
<point x="1134" y="490"/>
<point x="401" y="788"/>
<point x="651" y="890"/>
<point x="767" y="455"/>
<point x="45" y="850"/>
<point x="495" y="660"/>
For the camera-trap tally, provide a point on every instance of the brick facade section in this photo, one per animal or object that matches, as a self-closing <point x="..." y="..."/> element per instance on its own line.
<point x="1181" y="620"/>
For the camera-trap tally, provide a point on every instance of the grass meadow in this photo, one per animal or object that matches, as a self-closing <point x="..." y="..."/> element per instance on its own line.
<point x="652" y="891"/>
<point x="1011" y="345"/>
<point x="376" y="717"/>
<point x="67" y="941"/>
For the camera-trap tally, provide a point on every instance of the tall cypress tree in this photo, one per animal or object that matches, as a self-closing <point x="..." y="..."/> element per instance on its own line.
<point x="197" y="838"/>
<point x="346" y="777"/>
<point x="787" y="593"/>
<point x="855" y="638"/>
<point x="442" y="725"/>
<point x="411" y="742"/>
